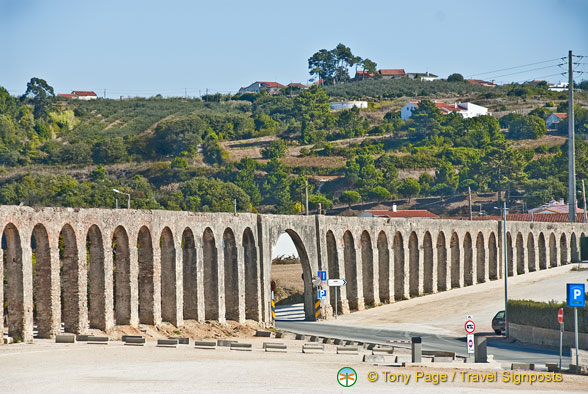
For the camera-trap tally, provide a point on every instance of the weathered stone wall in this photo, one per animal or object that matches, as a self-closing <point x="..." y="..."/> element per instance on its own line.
<point x="112" y="267"/>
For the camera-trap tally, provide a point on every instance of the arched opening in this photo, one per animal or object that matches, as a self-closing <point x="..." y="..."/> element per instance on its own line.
<point x="17" y="318"/>
<point x="333" y="267"/>
<point x="46" y="313"/>
<point x="231" y="276"/>
<point x="520" y="255"/>
<point x="455" y="260"/>
<point x="492" y="257"/>
<point x="146" y="279"/>
<point x="428" y="263"/>
<point x="121" y="264"/>
<point x="413" y="265"/>
<point x="480" y="259"/>
<point x="292" y="278"/>
<point x="96" y="279"/>
<point x="168" y="277"/>
<point x="71" y="312"/>
<point x="574" y="249"/>
<point x="552" y="251"/>
<point x="441" y="262"/>
<point x="367" y="268"/>
<point x="468" y="260"/>
<point x="542" y="252"/>
<point x="398" y="245"/>
<point x="190" y="275"/>
<point x="531" y="264"/>
<point x="509" y="254"/>
<point x="210" y="262"/>
<point x="252" y="294"/>
<point x="350" y="270"/>
<point x="383" y="267"/>
<point x="563" y="249"/>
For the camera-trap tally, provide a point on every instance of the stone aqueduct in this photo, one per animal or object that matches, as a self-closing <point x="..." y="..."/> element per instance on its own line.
<point x="98" y="268"/>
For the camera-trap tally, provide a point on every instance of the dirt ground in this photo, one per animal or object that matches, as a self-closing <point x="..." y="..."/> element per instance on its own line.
<point x="290" y="286"/>
<point x="114" y="368"/>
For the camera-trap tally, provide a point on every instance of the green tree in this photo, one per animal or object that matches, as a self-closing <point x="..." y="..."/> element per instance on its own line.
<point x="275" y="149"/>
<point x="379" y="193"/>
<point x="312" y="110"/>
<point x="455" y="77"/>
<point x="409" y="188"/>
<point x="246" y="180"/>
<point x="350" y="197"/>
<point x="39" y="92"/>
<point x="531" y="126"/>
<point x="109" y="150"/>
<point x="352" y="123"/>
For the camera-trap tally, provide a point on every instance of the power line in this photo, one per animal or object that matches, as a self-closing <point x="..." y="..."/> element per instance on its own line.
<point x="512" y="68"/>
<point x="525" y="71"/>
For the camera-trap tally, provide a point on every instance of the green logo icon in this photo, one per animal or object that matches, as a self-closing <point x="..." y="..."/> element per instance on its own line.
<point x="347" y="377"/>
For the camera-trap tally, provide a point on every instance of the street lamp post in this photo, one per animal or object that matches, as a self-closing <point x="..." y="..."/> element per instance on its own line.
<point x="505" y="258"/>
<point x="128" y="197"/>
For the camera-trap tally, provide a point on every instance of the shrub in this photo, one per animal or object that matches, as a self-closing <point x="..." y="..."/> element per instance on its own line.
<point x="544" y="314"/>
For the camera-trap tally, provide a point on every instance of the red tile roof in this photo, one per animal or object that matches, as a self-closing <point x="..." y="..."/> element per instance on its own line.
<point x="537" y="217"/>
<point x="271" y="84"/>
<point x="392" y="71"/>
<point x="67" y="95"/>
<point x="83" y="93"/>
<point x="406" y="213"/>
<point x="297" y="85"/>
<point x="561" y="115"/>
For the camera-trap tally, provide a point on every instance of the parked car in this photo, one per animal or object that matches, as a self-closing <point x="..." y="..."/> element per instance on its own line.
<point x="498" y="323"/>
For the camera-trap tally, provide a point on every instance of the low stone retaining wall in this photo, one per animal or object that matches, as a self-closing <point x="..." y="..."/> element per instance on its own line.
<point x="546" y="336"/>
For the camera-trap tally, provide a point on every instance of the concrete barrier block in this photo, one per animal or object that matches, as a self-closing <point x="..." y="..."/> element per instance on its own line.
<point x="97" y="340"/>
<point x="266" y="334"/>
<point x="327" y="341"/>
<point x="181" y="340"/>
<point x="314" y="338"/>
<point x="243" y="347"/>
<point x="383" y="349"/>
<point x="374" y="359"/>
<point x="125" y="337"/>
<point x="167" y="343"/>
<point x="313" y="348"/>
<point x="403" y="359"/>
<point x="275" y="347"/>
<point x="224" y="342"/>
<point x="140" y="341"/>
<point x="522" y="366"/>
<point x="205" y="344"/>
<point x="338" y="342"/>
<point x="439" y="359"/>
<point x="552" y="367"/>
<point x="347" y="349"/>
<point x="300" y="337"/>
<point x="280" y="335"/>
<point x="7" y="340"/>
<point x="438" y="353"/>
<point x="82" y="338"/>
<point x="65" y="338"/>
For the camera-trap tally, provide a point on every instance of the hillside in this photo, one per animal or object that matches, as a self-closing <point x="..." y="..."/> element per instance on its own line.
<point x="263" y="150"/>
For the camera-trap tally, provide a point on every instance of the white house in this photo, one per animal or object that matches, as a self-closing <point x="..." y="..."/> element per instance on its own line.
<point x="427" y="76"/>
<point x="84" y="95"/>
<point x="348" y="104"/>
<point x="559" y="87"/>
<point x="466" y="110"/>
<point x="258" y="86"/>
<point x="553" y="120"/>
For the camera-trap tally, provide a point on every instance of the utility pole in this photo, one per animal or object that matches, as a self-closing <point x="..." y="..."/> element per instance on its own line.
<point x="584" y="197"/>
<point x="104" y="94"/>
<point x="470" y="201"/>
<point x="571" y="143"/>
<point x="185" y="93"/>
<point x="505" y="272"/>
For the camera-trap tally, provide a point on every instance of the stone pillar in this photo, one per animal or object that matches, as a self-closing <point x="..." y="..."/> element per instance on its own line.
<point x="421" y="265"/>
<point x="221" y="281"/>
<point x="156" y="282"/>
<point x="343" y="306"/>
<point x="241" y="280"/>
<point x="435" y="269"/>
<point x="134" y="281"/>
<point x="359" y="271"/>
<point x="199" y="279"/>
<point x="108" y="289"/>
<point x="21" y="325"/>
<point x="406" y="284"/>
<point x="179" y="312"/>
<point x="376" y="273"/>
<point x="2" y="294"/>
<point x="55" y="323"/>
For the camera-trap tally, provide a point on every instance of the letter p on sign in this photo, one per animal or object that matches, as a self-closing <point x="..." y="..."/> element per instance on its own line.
<point x="576" y="295"/>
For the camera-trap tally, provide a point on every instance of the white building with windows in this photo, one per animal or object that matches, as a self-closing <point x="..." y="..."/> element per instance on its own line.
<point x="466" y="110"/>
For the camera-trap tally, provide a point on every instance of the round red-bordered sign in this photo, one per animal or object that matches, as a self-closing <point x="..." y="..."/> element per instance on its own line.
<point x="560" y="313"/>
<point x="470" y="326"/>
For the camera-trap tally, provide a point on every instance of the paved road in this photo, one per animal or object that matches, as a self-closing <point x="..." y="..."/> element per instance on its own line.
<point x="290" y="312"/>
<point x="497" y="346"/>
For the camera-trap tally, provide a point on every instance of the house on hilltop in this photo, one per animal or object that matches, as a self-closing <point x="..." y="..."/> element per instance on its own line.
<point x="554" y="207"/>
<point x="466" y="110"/>
<point x="258" y="86"/>
<point x="427" y="76"/>
<point x="392" y="73"/>
<point x="79" y="95"/>
<point x="480" y="82"/>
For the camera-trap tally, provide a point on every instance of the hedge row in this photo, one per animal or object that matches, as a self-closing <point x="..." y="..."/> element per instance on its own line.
<point x="544" y="314"/>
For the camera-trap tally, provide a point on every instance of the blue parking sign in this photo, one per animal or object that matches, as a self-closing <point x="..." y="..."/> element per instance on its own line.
<point x="322" y="294"/>
<point x="576" y="295"/>
<point x="322" y="275"/>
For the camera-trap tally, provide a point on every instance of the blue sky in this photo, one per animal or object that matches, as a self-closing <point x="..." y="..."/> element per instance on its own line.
<point x="141" y="48"/>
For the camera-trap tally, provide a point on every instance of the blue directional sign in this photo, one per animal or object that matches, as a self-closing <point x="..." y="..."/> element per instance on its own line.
<point x="576" y="295"/>
<point x="322" y="275"/>
<point x="322" y="294"/>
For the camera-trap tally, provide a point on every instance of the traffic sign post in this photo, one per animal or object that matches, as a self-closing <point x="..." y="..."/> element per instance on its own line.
<point x="336" y="283"/>
<point x="576" y="293"/>
<point x="322" y="275"/>
<point x="561" y="329"/>
<point x="470" y="342"/>
<point x="470" y="326"/>
<point x="322" y="294"/>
